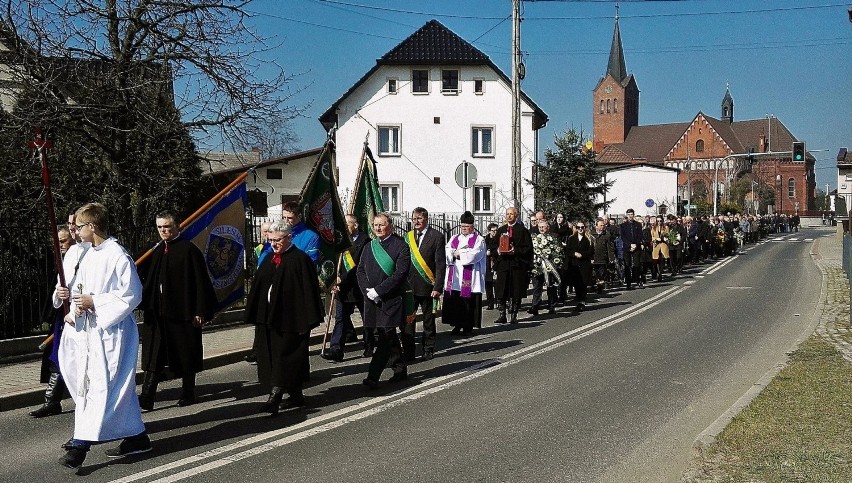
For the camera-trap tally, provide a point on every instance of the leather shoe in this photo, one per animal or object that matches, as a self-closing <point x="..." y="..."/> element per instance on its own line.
<point x="370" y="383"/>
<point x="48" y="409"/>
<point x="456" y="330"/>
<point x="533" y="312"/>
<point x="74" y="457"/>
<point x="273" y="402"/>
<point x="368" y="352"/>
<point x="428" y="355"/>
<point x="186" y="401"/>
<point x="399" y="376"/>
<point x="501" y="319"/>
<point x="332" y="355"/>
<point x="292" y="402"/>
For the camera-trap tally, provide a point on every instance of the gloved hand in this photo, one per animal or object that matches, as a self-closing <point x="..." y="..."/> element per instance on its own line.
<point x="372" y="294"/>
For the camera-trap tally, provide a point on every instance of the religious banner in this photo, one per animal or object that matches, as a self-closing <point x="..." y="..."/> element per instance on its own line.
<point x="323" y="213"/>
<point x="368" y="199"/>
<point x="219" y="232"/>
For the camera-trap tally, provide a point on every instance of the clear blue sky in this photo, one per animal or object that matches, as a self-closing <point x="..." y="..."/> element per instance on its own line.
<point x="788" y="58"/>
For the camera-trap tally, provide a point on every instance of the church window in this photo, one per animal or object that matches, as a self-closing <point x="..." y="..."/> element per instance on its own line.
<point x="615" y="105"/>
<point x="602" y="106"/>
<point x="607" y="106"/>
<point x="791" y="188"/>
<point x="699" y="146"/>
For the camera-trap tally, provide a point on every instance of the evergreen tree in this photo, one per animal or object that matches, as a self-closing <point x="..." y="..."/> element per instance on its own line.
<point x="570" y="180"/>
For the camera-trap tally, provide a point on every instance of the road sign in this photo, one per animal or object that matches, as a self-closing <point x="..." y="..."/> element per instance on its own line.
<point x="466" y="175"/>
<point x="649" y="202"/>
<point x="692" y="207"/>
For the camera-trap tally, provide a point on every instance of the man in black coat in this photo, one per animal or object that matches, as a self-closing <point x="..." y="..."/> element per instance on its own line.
<point x="631" y="238"/>
<point x="177" y="299"/>
<point x="511" y="268"/>
<point x="348" y="294"/>
<point x="426" y="277"/>
<point x="383" y="279"/>
<point x="285" y="304"/>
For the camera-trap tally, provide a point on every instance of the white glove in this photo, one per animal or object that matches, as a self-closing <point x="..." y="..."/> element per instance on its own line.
<point x="372" y="294"/>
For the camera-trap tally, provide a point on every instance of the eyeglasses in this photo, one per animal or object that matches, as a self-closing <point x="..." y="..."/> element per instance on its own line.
<point x="80" y="227"/>
<point x="580" y="227"/>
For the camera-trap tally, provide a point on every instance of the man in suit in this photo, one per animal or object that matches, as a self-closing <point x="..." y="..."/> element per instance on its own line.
<point x="511" y="267"/>
<point x="383" y="280"/>
<point x="348" y="294"/>
<point x="426" y="277"/>
<point x="631" y="237"/>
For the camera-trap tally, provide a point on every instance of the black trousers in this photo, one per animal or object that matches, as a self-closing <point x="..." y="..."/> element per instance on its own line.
<point x="632" y="264"/>
<point x="343" y="322"/>
<point x="409" y="344"/>
<point x="388" y="353"/>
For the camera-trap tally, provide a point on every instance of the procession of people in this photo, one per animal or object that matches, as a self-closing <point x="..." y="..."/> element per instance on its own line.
<point x="387" y="278"/>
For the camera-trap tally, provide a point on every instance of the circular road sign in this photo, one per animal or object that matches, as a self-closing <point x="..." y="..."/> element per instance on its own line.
<point x="466" y="175"/>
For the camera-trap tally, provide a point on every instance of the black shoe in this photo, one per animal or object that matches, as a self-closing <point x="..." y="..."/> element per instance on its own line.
<point x="580" y="307"/>
<point x="251" y="358"/>
<point x="514" y="318"/>
<point x="333" y="355"/>
<point x="501" y="319"/>
<point x="551" y="310"/>
<point x="292" y="402"/>
<point x="630" y="287"/>
<point x="186" y="401"/>
<point x="428" y="355"/>
<point x="146" y="404"/>
<point x="352" y="337"/>
<point x="73" y="458"/>
<point x="47" y="409"/>
<point x="272" y="402"/>
<point x="67" y="445"/>
<point x="531" y="311"/>
<point x="467" y="333"/>
<point x="399" y="376"/>
<point x="368" y="352"/>
<point x="489" y="307"/>
<point x="133" y="445"/>
<point x="456" y="330"/>
<point x="370" y="383"/>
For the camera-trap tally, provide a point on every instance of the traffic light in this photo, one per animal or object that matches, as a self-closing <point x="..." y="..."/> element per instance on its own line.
<point x="798" y="151"/>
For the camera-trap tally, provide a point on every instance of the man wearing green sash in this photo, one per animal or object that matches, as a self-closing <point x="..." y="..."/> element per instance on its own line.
<point x="383" y="279"/>
<point x="426" y="277"/>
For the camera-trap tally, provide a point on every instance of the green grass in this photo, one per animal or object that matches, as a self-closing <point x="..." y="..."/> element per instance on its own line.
<point x="799" y="429"/>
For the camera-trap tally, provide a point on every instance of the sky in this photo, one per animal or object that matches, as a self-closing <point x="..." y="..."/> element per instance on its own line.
<point x="784" y="58"/>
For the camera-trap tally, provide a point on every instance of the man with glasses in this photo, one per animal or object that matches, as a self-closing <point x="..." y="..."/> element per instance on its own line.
<point x="426" y="277"/>
<point x="631" y="237"/>
<point x="177" y="300"/>
<point x="580" y="251"/>
<point x="383" y="279"/>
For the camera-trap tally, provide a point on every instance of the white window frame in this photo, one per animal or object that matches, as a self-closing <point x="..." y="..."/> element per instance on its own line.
<point x="458" y="82"/>
<point x="477" y="198"/>
<point x="390" y="128"/>
<point x="482" y="81"/>
<point x="395" y="82"/>
<point x="390" y="187"/>
<point x="791" y="187"/>
<point x="476" y="146"/>
<point x="428" y="82"/>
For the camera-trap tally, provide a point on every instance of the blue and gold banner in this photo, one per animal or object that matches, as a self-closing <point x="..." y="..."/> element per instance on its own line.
<point x="220" y="234"/>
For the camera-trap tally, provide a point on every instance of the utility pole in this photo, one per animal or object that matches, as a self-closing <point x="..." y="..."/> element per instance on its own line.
<point x="516" y="103"/>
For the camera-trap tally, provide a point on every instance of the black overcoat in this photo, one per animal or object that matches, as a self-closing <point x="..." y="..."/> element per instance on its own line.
<point x="349" y="291"/>
<point x="390" y="310"/>
<point x="293" y="305"/>
<point x="176" y="288"/>
<point x="512" y="270"/>
<point x="580" y="267"/>
<point x="433" y="250"/>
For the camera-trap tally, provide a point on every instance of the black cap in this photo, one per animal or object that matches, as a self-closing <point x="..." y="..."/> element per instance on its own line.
<point x="466" y="218"/>
<point x="630" y="210"/>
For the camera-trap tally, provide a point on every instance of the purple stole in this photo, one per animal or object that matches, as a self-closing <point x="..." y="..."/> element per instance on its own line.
<point x="467" y="270"/>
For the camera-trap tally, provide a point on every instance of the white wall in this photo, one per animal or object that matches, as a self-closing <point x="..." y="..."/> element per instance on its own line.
<point x="430" y="150"/>
<point x="633" y="186"/>
<point x="295" y="174"/>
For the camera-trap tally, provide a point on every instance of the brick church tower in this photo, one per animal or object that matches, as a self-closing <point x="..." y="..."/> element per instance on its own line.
<point x="616" y="99"/>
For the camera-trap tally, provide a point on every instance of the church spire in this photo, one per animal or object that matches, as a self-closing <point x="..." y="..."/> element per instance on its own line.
<point x="728" y="105"/>
<point x="616" y="68"/>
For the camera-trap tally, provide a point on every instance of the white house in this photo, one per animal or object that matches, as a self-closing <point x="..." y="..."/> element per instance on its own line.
<point x="643" y="187"/>
<point x="844" y="179"/>
<point x="430" y="103"/>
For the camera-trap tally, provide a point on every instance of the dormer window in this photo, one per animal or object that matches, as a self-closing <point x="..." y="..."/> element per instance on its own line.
<point x="450" y="81"/>
<point x="392" y="85"/>
<point x="478" y="86"/>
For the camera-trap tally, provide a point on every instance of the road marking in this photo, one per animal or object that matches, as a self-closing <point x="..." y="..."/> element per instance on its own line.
<point x="738" y="288"/>
<point x="716" y="267"/>
<point x="379" y="404"/>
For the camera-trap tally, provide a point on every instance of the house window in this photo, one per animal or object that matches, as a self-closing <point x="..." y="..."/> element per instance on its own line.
<point x="420" y="81"/>
<point x="390" y="197"/>
<point x="615" y="105"/>
<point x="699" y="146"/>
<point x="274" y="173"/>
<point x="450" y="81"/>
<point x="482" y="199"/>
<point x="389" y="141"/>
<point x="392" y="86"/>
<point x="482" y="141"/>
<point x="479" y="86"/>
<point x="791" y="188"/>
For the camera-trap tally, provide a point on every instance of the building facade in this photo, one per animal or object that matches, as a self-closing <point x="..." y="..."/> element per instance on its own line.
<point x="428" y="104"/>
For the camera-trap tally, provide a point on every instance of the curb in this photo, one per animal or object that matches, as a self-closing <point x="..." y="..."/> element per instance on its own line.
<point x="706" y="438"/>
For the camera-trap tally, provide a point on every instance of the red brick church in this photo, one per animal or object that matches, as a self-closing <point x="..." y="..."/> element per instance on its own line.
<point x="708" y="151"/>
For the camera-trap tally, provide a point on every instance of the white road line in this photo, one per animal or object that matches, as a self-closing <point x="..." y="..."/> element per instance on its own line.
<point x="381" y="403"/>
<point x="720" y="265"/>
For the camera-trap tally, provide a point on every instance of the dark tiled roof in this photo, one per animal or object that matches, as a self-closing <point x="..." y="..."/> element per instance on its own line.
<point x="427" y="46"/>
<point x="726" y="132"/>
<point x="616" y="67"/>
<point x="434" y="44"/>
<point x="844" y="156"/>
<point x="748" y="132"/>
<point x="651" y="144"/>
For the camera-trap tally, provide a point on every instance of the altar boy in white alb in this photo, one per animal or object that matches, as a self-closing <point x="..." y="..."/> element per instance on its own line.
<point x="99" y="347"/>
<point x="465" y="279"/>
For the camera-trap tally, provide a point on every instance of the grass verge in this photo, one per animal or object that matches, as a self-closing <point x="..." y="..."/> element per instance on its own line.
<point x="798" y="429"/>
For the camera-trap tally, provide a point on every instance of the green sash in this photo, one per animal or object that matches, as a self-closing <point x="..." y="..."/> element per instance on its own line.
<point x="387" y="265"/>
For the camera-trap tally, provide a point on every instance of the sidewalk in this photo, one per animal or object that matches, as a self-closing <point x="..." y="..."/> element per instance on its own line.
<point x="19" y="386"/>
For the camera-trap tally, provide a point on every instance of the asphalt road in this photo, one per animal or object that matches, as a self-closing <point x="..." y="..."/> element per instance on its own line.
<point x="617" y="393"/>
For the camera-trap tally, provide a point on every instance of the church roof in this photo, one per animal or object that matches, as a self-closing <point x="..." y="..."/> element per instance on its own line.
<point x="432" y="44"/>
<point x="616" y="67"/>
<point x="648" y="144"/>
